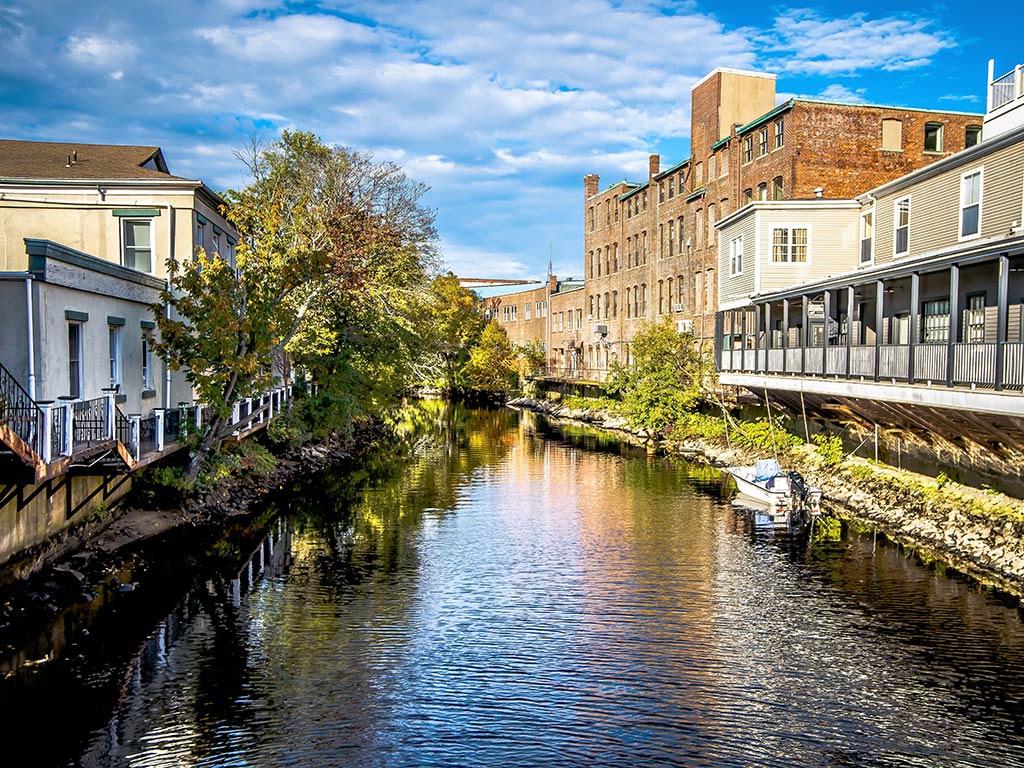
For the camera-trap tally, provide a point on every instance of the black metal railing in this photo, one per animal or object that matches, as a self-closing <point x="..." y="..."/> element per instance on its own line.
<point x="172" y="425"/>
<point x="147" y="435"/>
<point x="123" y="428"/>
<point x="90" y="425"/>
<point x="18" y="410"/>
<point x="58" y="435"/>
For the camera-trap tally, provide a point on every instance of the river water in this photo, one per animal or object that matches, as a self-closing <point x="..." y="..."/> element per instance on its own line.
<point x="494" y="590"/>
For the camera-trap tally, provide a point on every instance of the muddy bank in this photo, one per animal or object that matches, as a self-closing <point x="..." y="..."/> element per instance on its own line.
<point x="94" y="558"/>
<point x="974" y="531"/>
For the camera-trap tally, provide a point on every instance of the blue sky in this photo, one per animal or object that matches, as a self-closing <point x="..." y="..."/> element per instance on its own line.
<point x="501" y="108"/>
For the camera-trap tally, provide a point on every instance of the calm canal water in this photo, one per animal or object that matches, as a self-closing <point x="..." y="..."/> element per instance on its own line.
<point x="511" y="594"/>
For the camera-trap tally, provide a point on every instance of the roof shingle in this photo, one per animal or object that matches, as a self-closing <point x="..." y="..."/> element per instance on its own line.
<point x="49" y="160"/>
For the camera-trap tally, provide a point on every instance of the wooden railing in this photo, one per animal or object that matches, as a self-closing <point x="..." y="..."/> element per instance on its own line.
<point x="973" y="364"/>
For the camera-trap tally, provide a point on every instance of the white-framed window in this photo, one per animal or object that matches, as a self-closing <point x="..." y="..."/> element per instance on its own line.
<point x="200" y="240"/>
<point x="527" y="310"/>
<point x="114" y="343"/>
<point x="736" y="256"/>
<point x="780" y="133"/>
<point x="935" y="322"/>
<point x="972" y="135"/>
<point x="762" y="142"/>
<point x="867" y="237"/>
<point x="970" y="204"/>
<point x="789" y="244"/>
<point x="933" y="137"/>
<point x="137" y="244"/>
<point x="901" y="222"/>
<point x="748" y="149"/>
<point x="147" y="362"/>
<point x="75" y="360"/>
<point x="974" y="325"/>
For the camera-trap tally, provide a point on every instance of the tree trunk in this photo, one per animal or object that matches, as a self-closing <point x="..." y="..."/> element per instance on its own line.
<point x="209" y="444"/>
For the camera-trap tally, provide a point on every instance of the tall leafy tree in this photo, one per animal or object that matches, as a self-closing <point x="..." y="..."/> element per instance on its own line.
<point x="323" y="229"/>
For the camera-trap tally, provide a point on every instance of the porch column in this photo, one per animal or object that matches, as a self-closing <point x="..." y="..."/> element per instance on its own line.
<point x="110" y="410"/>
<point x="785" y="331"/>
<point x="136" y="422"/>
<point x="915" y="300"/>
<point x="767" y="334"/>
<point x="954" y="321"/>
<point x="743" y="339"/>
<point x="757" y="340"/>
<point x="849" y="326"/>
<point x="69" y="427"/>
<point x="879" y="318"/>
<point x="804" y="337"/>
<point x="1001" y="315"/>
<point x="827" y="310"/>
<point x="45" y="432"/>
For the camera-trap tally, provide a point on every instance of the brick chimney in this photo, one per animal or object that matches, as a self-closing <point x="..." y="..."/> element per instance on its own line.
<point x="552" y="283"/>
<point x="590" y="184"/>
<point x="654" y="165"/>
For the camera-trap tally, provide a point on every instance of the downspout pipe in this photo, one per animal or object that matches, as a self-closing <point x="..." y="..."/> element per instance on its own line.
<point x="30" y="318"/>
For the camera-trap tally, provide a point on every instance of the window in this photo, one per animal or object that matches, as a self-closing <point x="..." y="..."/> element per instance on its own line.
<point x="527" y="311"/>
<point x="147" y="363"/>
<point x="777" y="188"/>
<point x="661" y="191"/>
<point x="645" y="199"/>
<point x="698" y="174"/>
<point x="935" y="326"/>
<point x="200" y="241"/>
<point x="137" y="249"/>
<point x="780" y="133"/>
<point x="867" y="236"/>
<point x="669" y="288"/>
<point x="644" y="251"/>
<point x="608" y="212"/>
<point x="933" y="137"/>
<point x="975" y="320"/>
<point x="748" y="195"/>
<point x="972" y="135"/>
<point x="748" y="149"/>
<point x="590" y="306"/>
<point x="762" y="191"/>
<point x="114" y="339"/>
<point x="590" y="214"/>
<point x="762" y="142"/>
<point x="661" y="297"/>
<point x="615" y="303"/>
<point x="671" y="187"/>
<point x="901" y="218"/>
<point x="629" y="292"/>
<point x="789" y="244"/>
<point x="713" y="167"/>
<point x="75" y="360"/>
<point x="892" y="135"/>
<point x="725" y="161"/>
<point x="607" y="305"/>
<point x="643" y="298"/>
<point x="970" y="204"/>
<point x="736" y="256"/>
<point x="671" y="240"/>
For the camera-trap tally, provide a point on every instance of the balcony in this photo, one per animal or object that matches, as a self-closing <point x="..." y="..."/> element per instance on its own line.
<point x="1005" y="109"/>
<point x="52" y="437"/>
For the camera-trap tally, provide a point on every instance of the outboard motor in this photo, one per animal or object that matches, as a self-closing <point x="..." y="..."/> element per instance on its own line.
<point x="799" y="486"/>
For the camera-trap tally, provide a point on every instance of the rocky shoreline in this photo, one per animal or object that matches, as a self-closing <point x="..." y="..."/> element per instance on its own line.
<point x="974" y="531"/>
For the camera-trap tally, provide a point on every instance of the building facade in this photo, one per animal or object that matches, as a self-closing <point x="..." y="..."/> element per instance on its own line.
<point x="651" y="247"/>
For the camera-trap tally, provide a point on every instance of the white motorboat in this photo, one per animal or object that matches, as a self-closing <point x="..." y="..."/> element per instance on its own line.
<point x="785" y="494"/>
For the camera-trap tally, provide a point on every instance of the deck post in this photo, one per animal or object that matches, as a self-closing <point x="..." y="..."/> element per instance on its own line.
<point x="804" y="335"/>
<point x="46" y="432"/>
<point x="136" y="446"/>
<point x="69" y="427"/>
<point x="785" y="332"/>
<point x="110" y="411"/>
<point x="915" y="300"/>
<point x="767" y="335"/>
<point x="825" y="321"/>
<point x="159" y="428"/>
<point x="849" y="326"/>
<point x="879" y="320"/>
<point x="954" y="321"/>
<point x="1001" y="314"/>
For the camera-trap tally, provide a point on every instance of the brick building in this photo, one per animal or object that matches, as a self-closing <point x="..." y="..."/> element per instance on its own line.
<point x="650" y="249"/>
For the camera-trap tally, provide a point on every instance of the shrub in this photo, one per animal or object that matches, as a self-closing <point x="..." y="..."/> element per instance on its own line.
<point x="764" y="436"/>
<point x="830" y="448"/>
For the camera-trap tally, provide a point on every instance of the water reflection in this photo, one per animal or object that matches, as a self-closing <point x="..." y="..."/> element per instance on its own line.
<point x="496" y="590"/>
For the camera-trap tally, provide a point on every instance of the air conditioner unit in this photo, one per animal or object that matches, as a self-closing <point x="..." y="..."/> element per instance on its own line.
<point x="677" y="307"/>
<point x="684" y="326"/>
<point x="601" y="330"/>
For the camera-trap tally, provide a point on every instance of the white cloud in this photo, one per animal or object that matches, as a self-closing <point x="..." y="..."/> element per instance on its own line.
<point x="285" y="38"/>
<point x="810" y="43"/>
<point x="96" y="52"/>
<point x="971" y="97"/>
<point x="837" y="92"/>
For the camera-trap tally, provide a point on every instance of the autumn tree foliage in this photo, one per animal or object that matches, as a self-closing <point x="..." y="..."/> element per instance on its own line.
<point x="328" y="274"/>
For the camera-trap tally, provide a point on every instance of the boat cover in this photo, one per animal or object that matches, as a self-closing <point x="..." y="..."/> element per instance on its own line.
<point x="766" y="469"/>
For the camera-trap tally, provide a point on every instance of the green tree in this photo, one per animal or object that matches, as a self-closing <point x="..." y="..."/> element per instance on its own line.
<point x="492" y="363"/>
<point x="451" y="325"/>
<point x="329" y="241"/>
<point x="664" y="382"/>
